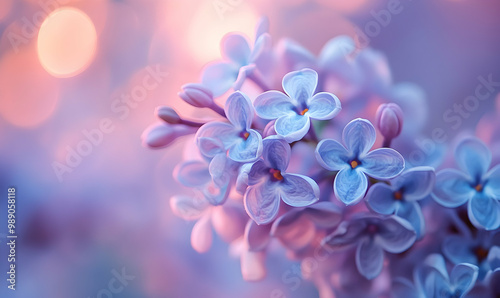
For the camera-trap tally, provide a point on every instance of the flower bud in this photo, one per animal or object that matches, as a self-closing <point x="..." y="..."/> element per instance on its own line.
<point x="162" y="134"/>
<point x="168" y="115"/>
<point x="197" y="95"/>
<point x="390" y="120"/>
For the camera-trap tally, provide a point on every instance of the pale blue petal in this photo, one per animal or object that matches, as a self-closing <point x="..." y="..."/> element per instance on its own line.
<point x="494" y="257"/>
<point x="380" y="198"/>
<point x="243" y="178"/>
<point x="324" y="214"/>
<point x="258" y="172"/>
<point x="298" y="190"/>
<point x="492" y="182"/>
<point x="247" y="150"/>
<point x="473" y="157"/>
<point x="188" y="207"/>
<point x="300" y="85"/>
<point x="323" y="106"/>
<point x="276" y="153"/>
<point x="262" y="45"/>
<point x="412" y="212"/>
<point x="416" y="183"/>
<point x="347" y="234"/>
<point x="262" y="26"/>
<point x="294" y="56"/>
<point x="459" y="249"/>
<point x="332" y="155"/>
<point x="359" y="136"/>
<point x="243" y="73"/>
<point x="334" y="52"/>
<point x="383" y="163"/>
<point x="395" y="234"/>
<point x="235" y="47"/>
<point x="452" y="188"/>
<point x="273" y="104"/>
<point x="219" y="77"/>
<point x="239" y="110"/>
<point x="484" y="212"/>
<point x="192" y="173"/>
<point x="350" y="186"/>
<point x="463" y="277"/>
<point x="262" y="202"/>
<point x="210" y="146"/>
<point x="216" y="194"/>
<point x="222" y="131"/>
<point x="220" y="170"/>
<point x="369" y="259"/>
<point x="292" y="127"/>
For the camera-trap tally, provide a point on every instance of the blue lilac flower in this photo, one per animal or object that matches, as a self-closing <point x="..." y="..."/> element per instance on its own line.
<point x="243" y="143"/>
<point x="294" y="110"/>
<point x="402" y="196"/>
<point x="372" y="236"/>
<point x="474" y="184"/>
<point x="239" y="61"/>
<point x="354" y="161"/>
<point x="269" y="183"/>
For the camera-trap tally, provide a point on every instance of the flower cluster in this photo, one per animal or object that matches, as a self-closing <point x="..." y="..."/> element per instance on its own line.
<point x="293" y="158"/>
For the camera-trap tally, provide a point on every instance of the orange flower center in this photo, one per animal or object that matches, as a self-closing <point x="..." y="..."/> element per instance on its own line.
<point x="245" y="135"/>
<point x="354" y="164"/>
<point x="304" y="111"/>
<point x="398" y="195"/>
<point x="276" y="174"/>
<point x="479" y="188"/>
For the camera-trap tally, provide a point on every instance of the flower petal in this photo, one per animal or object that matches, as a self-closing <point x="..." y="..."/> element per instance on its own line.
<point x="235" y="47"/>
<point x="484" y="212"/>
<point x="417" y="183"/>
<point x="347" y="234"/>
<point x="253" y="267"/>
<point x="239" y="110"/>
<point x="463" y="277"/>
<point x="324" y="214"/>
<point x="201" y="235"/>
<point x="276" y="153"/>
<point x="402" y="287"/>
<point x="247" y="150"/>
<point x="473" y="157"/>
<point x="294" y="231"/>
<point x="396" y="234"/>
<point x="380" y="198"/>
<point x="332" y="155"/>
<point x="243" y="178"/>
<point x="459" y="249"/>
<point x="292" y="127"/>
<point x="219" y="170"/>
<point x="258" y="172"/>
<point x="192" y="173"/>
<point x="162" y="134"/>
<point x="452" y="188"/>
<point x="273" y="104"/>
<point x="263" y="45"/>
<point x="257" y="236"/>
<point x="262" y="202"/>
<point x="219" y="77"/>
<point x="188" y="207"/>
<point x="412" y="212"/>
<point x="300" y="85"/>
<point x="494" y="257"/>
<point x="369" y="259"/>
<point x="298" y="190"/>
<point x="359" y="136"/>
<point x="492" y="186"/>
<point x="293" y="55"/>
<point x="210" y="146"/>
<point x="323" y="106"/>
<point x="222" y="131"/>
<point x="350" y="186"/>
<point x="383" y="163"/>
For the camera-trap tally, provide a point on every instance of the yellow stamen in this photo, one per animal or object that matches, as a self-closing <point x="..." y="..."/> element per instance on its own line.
<point x="354" y="164"/>
<point x="304" y="111"/>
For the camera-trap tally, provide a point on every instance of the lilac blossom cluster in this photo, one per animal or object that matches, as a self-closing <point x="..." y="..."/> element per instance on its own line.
<point x="292" y="162"/>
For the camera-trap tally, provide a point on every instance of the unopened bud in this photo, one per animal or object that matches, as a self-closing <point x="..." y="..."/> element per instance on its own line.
<point x="390" y="120"/>
<point x="197" y="95"/>
<point x="168" y="115"/>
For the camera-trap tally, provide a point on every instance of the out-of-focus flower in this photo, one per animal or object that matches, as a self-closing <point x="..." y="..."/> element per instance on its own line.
<point x="401" y="196"/>
<point x="244" y="144"/>
<point x="293" y="112"/>
<point x="355" y="162"/>
<point x="474" y="184"/>
<point x="161" y="135"/>
<point x="269" y="184"/>
<point x="389" y="121"/>
<point x="239" y="61"/>
<point x="372" y="236"/>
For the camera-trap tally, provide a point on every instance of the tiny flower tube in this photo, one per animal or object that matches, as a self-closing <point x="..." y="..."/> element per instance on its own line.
<point x="170" y="116"/>
<point x="389" y="121"/>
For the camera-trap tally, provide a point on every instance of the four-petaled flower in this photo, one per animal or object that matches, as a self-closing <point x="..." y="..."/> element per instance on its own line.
<point x="401" y="196"/>
<point x="372" y="236"/>
<point x="355" y="162"/>
<point x="474" y="184"/>
<point x="269" y="184"/>
<point x="244" y="144"/>
<point x="295" y="111"/>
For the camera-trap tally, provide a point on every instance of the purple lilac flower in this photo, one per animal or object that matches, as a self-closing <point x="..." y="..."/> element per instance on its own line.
<point x="389" y="121"/>
<point x="237" y="136"/>
<point x="294" y="110"/>
<point x="239" y="61"/>
<point x="355" y="162"/>
<point x="372" y="236"/>
<point x="402" y="196"/>
<point x="474" y="184"/>
<point x="269" y="183"/>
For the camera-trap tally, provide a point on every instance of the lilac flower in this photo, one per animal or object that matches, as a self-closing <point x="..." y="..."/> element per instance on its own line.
<point x="268" y="183"/>
<point x="244" y="144"/>
<point x="475" y="185"/>
<point x="197" y="95"/>
<point x="240" y="61"/>
<point x="401" y="196"/>
<point x="355" y="162"/>
<point x="293" y="112"/>
<point x="372" y="236"/>
<point x="389" y="121"/>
